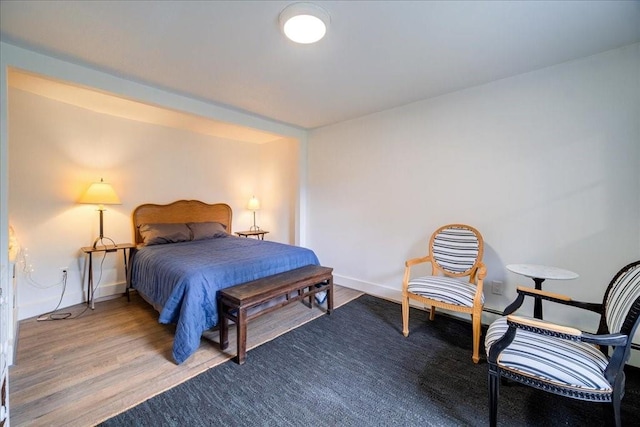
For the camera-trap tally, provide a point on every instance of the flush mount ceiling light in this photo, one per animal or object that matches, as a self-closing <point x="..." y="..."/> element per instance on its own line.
<point x="304" y="22"/>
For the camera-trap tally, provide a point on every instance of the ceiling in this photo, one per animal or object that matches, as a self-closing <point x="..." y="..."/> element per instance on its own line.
<point x="377" y="55"/>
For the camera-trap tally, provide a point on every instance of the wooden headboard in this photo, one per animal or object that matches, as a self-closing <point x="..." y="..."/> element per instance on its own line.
<point x="180" y="211"/>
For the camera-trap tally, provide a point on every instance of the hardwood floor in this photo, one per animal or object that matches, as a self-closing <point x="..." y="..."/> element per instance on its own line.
<point x="82" y="371"/>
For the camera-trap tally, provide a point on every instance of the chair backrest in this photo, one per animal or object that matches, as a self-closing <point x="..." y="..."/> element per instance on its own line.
<point x="456" y="249"/>
<point x="622" y="300"/>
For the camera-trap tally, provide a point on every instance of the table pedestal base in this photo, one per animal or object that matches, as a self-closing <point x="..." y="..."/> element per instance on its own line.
<point x="537" y="304"/>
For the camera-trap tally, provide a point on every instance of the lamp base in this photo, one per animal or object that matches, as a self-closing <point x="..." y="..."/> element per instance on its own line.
<point x="254" y="227"/>
<point x="101" y="239"/>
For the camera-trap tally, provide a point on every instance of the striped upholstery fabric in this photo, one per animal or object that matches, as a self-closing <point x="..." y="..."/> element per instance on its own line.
<point x="622" y="295"/>
<point x="562" y="362"/>
<point x="455" y="249"/>
<point x="445" y="289"/>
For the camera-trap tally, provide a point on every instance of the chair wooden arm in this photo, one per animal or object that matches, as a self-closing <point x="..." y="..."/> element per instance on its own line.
<point x="612" y="340"/>
<point x="478" y="279"/>
<point x="548" y="296"/>
<point x="415" y="261"/>
<point x="540" y="326"/>
<point x="482" y="271"/>
<point x="407" y="270"/>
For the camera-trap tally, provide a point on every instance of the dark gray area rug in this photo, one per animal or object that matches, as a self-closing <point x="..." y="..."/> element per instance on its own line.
<point x="355" y="368"/>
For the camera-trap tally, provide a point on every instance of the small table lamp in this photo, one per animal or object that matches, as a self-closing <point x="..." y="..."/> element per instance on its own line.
<point x="254" y="205"/>
<point x="100" y="193"/>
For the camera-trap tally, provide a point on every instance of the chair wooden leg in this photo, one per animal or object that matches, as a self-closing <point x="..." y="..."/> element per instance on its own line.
<point x="615" y="402"/>
<point x="432" y="313"/>
<point x="494" y="391"/>
<point x="616" y="398"/>
<point x="405" y="316"/>
<point x="475" y="321"/>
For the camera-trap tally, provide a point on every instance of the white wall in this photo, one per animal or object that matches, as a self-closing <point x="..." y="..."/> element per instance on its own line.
<point x="544" y="164"/>
<point x="279" y="187"/>
<point x="56" y="150"/>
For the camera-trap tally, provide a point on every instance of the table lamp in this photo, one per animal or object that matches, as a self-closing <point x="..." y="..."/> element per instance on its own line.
<point x="254" y="205"/>
<point x="100" y="193"/>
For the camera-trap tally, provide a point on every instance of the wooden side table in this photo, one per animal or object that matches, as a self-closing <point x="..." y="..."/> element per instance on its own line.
<point x="259" y="234"/>
<point x="90" y="250"/>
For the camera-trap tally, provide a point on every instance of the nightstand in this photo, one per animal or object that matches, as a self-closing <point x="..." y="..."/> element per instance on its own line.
<point x="90" y="250"/>
<point x="259" y="234"/>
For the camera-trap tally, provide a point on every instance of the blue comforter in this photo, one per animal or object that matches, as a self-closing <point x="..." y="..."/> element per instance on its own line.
<point x="183" y="279"/>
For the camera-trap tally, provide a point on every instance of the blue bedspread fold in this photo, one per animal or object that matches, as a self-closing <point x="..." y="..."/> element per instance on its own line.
<point x="184" y="279"/>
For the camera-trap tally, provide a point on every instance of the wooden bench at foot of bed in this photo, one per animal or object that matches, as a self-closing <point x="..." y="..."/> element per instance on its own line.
<point x="235" y="303"/>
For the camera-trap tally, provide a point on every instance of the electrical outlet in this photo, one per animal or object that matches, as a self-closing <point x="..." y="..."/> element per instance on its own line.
<point x="496" y="287"/>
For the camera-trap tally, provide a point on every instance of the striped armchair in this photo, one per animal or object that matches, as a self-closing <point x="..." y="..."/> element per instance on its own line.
<point x="564" y="360"/>
<point x="455" y="254"/>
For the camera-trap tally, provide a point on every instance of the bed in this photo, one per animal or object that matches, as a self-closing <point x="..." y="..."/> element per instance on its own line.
<point x="185" y="253"/>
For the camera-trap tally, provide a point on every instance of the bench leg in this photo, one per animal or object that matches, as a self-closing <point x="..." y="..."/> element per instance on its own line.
<point x="241" y="327"/>
<point x="224" y="329"/>
<point x="330" y="296"/>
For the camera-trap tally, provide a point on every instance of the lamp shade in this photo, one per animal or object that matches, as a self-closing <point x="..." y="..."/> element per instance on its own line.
<point x="304" y="22"/>
<point x="254" y="204"/>
<point x="100" y="193"/>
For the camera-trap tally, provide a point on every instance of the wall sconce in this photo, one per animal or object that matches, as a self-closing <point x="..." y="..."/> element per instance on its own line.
<point x="304" y="23"/>
<point x="100" y="193"/>
<point x="254" y="205"/>
<point x="14" y="246"/>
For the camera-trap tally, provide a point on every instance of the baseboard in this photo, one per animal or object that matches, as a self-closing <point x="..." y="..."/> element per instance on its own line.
<point x="46" y="306"/>
<point x="368" y="288"/>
